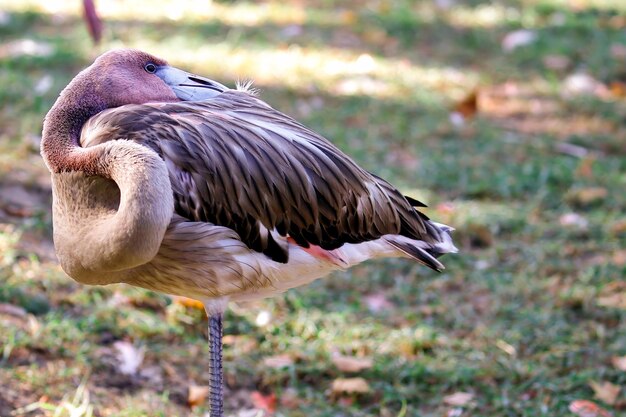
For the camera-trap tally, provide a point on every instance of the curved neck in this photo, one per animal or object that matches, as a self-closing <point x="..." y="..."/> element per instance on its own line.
<point x="107" y="224"/>
<point x="63" y="123"/>
<point x="112" y="202"/>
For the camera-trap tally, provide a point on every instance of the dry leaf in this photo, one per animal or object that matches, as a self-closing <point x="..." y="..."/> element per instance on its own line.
<point x="506" y="347"/>
<point x="518" y="38"/>
<point x="129" y="357"/>
<point x="584" y="408"/>
<point x="377" y="302"/>
<point x="619" y="257"/>
<point x="197" y="394"/>
<point x="613" y="295"/>
<point x="619" y="362"/>
<point x="12" y="310"/>
<point x="617" y="89"/>
<point x="605" y="391"/>
<point x="278" y="361"/>
<point x="352" y="364"/>
<point x="458" y="399"/>
<point x="33" y="325"/>
<point x="264" y="402"/>
<point x="613" y="301"/>
<point x="570" y="149"/>
<point x="581" y="83"/>
<point x="350" y="386"/>
<point x="587" y="196"/>
<point x="188" y="302"/>
<point x="468" y="107"/>
<point x="574" y="220"/>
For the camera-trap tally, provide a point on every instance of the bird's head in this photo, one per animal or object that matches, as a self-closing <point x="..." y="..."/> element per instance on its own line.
<point x="128" y="76"/>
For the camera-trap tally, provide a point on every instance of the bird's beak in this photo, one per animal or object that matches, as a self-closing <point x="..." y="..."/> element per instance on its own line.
<point x="189" y="87"/>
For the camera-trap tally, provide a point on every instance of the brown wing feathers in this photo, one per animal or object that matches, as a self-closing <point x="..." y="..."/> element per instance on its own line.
<point x="236" y="162"/>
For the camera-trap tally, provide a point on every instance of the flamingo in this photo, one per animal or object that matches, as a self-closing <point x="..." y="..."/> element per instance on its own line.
<point x="173" y="182"/>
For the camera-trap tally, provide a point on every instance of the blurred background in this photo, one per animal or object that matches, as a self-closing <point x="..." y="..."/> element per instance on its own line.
<point x="507" y="117"/>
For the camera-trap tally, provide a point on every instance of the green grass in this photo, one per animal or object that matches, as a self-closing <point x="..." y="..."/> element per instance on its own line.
<point x="517" y="318"/>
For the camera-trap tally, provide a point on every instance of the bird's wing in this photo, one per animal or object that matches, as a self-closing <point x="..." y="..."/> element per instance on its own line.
<point x="236" y="162"/>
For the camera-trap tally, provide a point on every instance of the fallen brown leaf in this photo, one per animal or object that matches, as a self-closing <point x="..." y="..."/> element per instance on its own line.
<point x="468" y="107"/>
<point x="574" y="220"/>
<point x="458" y="399"/>
<point x="351" y="363"/>
<point x="619" y="257"/>
<point x="350" y="386"/>
<point x="619" y="362"/>
<point x="518" y="38"/>
<point x="587" y="196"/>
<point x="613" y="295"/>
<point x="377" y="302"/>
<point x="584" y="408"/>
<point x="613" y="301"/>
<point x="580" y="83"/>
<point x="188" y="302"/>
<point x="264" y="402"/>
<point x="278" y="361"/>
<point x="197" y="395"/>
<point x="12" y="310"/>
<point x="129" y="357"/>
<point x="617" y="89"/>
<point x="605" y="391"/>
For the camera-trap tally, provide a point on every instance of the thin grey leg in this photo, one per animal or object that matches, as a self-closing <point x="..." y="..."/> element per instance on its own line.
<point x="216" y="373"/>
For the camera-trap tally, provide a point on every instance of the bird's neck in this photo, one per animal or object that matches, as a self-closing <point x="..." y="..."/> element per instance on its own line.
<point x="62" y="127"/>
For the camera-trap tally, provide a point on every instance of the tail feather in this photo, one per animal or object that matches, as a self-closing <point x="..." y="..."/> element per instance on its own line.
<point x="425" y="252"/>
<point x="417" y="253"/>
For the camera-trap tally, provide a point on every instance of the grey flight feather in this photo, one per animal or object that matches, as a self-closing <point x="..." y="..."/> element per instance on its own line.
<point x="236" y="162"/>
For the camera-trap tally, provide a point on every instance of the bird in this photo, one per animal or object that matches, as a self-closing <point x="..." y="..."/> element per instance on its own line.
<point x="92" y="21"/>
<point x="173" y="182"/>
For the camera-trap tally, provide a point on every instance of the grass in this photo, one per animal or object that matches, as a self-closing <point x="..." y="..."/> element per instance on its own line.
<point x="520" y="318"/>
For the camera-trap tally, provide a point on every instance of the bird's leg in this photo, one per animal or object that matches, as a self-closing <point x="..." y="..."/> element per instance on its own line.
<point x="215" y="311"/>
<point x="216" y="372"/>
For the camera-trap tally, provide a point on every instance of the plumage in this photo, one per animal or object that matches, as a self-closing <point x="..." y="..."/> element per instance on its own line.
<point x="236" y="162"/>
<point x="173" y="182"/>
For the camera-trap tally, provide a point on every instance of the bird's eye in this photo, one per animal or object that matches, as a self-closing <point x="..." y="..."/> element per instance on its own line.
<point x="150" y="68"/>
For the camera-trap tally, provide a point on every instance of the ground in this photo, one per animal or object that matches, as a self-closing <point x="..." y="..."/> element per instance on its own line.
<point x="507" y="118"/>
